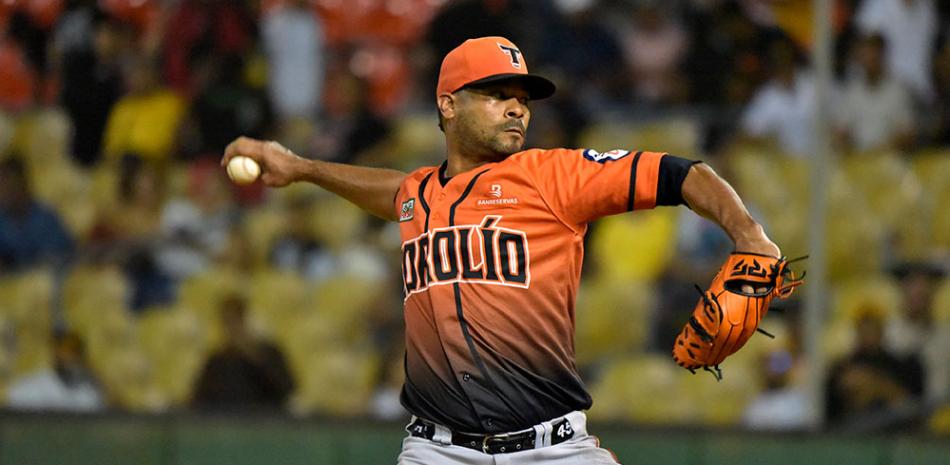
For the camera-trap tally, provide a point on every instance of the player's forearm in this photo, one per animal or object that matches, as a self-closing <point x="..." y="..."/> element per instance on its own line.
<point x="712" y="197"/>
<point x="372" y="189"/>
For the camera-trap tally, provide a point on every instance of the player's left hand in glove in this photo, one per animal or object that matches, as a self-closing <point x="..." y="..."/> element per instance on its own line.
<point x="729" y="312"/>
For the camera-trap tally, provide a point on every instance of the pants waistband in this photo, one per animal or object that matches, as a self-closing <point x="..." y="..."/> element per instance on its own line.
<point x="544" y="434"/>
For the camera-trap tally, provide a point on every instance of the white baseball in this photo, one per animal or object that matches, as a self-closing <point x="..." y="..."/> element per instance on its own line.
<point x="243" y="170"/>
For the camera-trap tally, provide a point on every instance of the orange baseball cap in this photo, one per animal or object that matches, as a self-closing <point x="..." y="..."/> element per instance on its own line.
<point x="485" y="60"/>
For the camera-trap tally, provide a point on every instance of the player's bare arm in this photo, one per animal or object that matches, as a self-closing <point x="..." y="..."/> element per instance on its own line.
<point x="713" y="198"/>
<point x="372" y="189"/>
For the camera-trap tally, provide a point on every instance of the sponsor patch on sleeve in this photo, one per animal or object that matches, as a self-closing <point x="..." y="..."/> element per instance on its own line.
<point x="604" y="157"/>
<point x="407" y="209"/>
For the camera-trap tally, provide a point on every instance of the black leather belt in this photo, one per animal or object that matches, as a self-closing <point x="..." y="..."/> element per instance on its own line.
<point x="494" y="443"/>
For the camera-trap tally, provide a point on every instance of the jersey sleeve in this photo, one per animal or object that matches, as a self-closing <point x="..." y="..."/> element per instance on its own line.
<point x="583" y="185"/>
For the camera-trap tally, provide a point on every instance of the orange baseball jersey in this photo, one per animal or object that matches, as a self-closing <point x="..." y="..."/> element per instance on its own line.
<point x="491" y="260"/>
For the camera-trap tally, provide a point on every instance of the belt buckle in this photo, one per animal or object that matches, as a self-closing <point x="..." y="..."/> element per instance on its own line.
<point x="485" y="443"/>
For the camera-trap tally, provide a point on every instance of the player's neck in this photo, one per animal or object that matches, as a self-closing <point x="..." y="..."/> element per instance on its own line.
<point x="460" y="164"/>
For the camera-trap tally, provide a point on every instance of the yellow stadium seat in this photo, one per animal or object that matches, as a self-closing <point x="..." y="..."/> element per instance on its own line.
<point x="337" y="222"/>
<point x="27" y="309"/>
<point x="346" y="303"/>
<point x="176" y="343"/>
<point x="112" y="332"/>
<point x="7" y="131"/>
<point x="942" y="302"/>
<point x="353" y="374"/>
<point x="277" y="297"/>
<point x="855" y="236"/>
<point x="877" y="293"/>
<point x="262" y="226"/>
<point x="722" y="403"/>
<point x="886" y="182"/>
<point x="92" y="293"/>
<point x="747" y="166"/>
<point x="104" y="185"/>
<point x="933" y="171"/>
<point x="201" y="294"/>
<point x="127" y="374"/>
<point x="643" y="259"/>
<point x="644" y="389"/>
<point x="940" y="231"/>
<point x="612" y="318"/>
<point x="677" y="136"/>
<point x="47" y="142"/>
<point x="8" y="354"/>
<point x="940" y="421"/>
<point x="415" y="134"/>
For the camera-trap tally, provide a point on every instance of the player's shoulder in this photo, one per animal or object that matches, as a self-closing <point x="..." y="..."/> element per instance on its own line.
<point x="417" y="176"/>
<point x="533" y="157"/>
<point x="540" y="157"/>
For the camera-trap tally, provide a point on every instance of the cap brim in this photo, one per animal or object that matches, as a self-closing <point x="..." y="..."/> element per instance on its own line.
<point x="537" y="86"/>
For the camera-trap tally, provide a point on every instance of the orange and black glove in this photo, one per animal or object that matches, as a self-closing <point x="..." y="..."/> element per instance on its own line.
<point x="729" y="312"/>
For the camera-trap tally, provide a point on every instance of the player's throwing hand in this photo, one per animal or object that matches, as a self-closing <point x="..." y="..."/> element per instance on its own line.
<point x="279" y="166"/>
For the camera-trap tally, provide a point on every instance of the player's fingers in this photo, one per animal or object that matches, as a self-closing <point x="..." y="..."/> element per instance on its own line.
<point x="228" y="154"/>
<point x="243" y="146"/>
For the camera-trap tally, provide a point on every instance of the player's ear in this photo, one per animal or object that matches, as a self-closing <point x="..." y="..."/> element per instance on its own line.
<point x="446" y="104"/>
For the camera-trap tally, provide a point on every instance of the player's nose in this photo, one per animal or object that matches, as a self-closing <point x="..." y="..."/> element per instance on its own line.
<point x="515" y="109"/>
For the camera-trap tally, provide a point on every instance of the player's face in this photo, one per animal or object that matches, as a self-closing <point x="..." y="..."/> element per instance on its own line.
<point x="492" y="120"/>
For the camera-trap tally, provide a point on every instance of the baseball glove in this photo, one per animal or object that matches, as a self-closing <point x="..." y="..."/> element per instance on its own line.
<point x="729" y="312"/>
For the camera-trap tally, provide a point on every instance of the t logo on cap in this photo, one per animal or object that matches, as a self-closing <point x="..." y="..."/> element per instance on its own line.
<point x="512" y="53"/>
<point x="477" y="62"/>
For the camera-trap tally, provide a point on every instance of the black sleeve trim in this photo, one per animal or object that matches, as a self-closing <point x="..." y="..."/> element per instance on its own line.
<point x="631" y="196"/>
<point x="673" y="171"/>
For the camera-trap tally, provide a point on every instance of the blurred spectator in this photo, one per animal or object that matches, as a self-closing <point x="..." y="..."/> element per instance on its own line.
<point x="247" y="372"/>
<point x="654" y="47"/>
<point x="144" y="121"/>
<point x="941" y="132"/>
<point x="355" y="127"/>
<point x="139" y="199"/>
<point x="914" y="331"/>
<point x="784" y="108"/>
<point x="524" y="22"/>
<point x="910" y="29"/>
<point x="89" y="48"/>
<point x="28" y="31"/>
<point x="195" y="229"/>
<point x="68" y="385"/>
<point x="589" y="58"/>
<point x="875" y="112"/>
<point x="17" y="75"/>
<point x="297" y="247"/>
<point x="780" y="405"/>
<point x="292" y="37"/>
<point x="872" y="380"/>
<point x="31" y="233"/>
<point x="725" y="61"/>
<point x="197" y="29"/>
<point x="130" y="229"/>
<point x="75" y="28"/>
<point x="224" y="109"/>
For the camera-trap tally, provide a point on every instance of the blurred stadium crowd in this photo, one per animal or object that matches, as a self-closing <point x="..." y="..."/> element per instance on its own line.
<point x="135" y="277"/>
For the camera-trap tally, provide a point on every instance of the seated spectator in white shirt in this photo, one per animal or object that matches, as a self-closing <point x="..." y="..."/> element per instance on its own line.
<point x="68" y="385"/>
<point x="780" y="405"/>
<point x="876" y="111"/>
<point x="910" y="28"/>
<point x="783" y="109"/>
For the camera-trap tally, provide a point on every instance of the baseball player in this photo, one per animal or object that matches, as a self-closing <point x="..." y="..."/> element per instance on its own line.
<point x="492" y="246"/>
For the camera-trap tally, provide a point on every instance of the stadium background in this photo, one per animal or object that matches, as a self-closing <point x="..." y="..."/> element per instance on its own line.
<point x="117" y="111"/>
